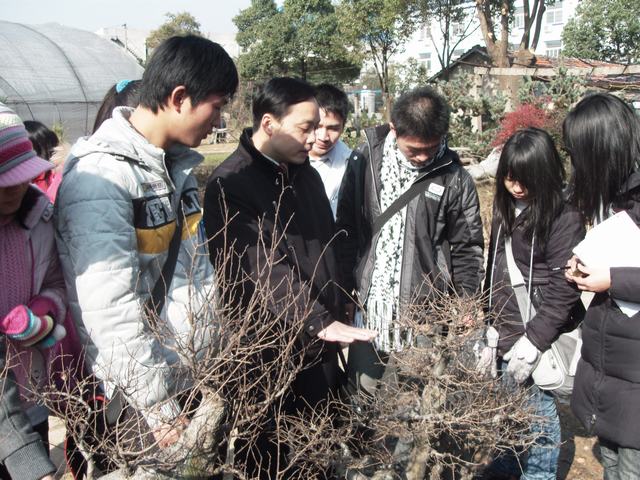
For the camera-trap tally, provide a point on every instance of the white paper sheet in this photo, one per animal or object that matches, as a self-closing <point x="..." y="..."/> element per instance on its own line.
<point x="613" y="243"/>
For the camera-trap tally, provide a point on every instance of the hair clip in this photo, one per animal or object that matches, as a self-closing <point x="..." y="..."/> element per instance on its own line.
<point x="121" y="85"/>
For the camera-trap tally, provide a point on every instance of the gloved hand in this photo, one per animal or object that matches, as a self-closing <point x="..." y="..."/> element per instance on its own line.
<point x="486" y="354"/>
<point x="523" y="358"/>
<point x="27" y="329"/>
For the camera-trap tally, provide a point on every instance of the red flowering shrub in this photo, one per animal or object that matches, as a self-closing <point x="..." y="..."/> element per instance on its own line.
<point x="526" y="115"/>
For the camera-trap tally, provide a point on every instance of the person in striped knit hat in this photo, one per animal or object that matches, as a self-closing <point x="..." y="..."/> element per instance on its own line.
<point x="32" y="302"/>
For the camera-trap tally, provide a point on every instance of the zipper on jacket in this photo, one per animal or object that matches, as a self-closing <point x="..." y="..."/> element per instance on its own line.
<point x="599" y="379"/>
<point x="600" y="371"/>
<point x="33" y="269"/>
<point x="402" y="263"/>
<point x="167" y="173"/>
<point x="363" y="298"/>
<point x="592" y="423"/>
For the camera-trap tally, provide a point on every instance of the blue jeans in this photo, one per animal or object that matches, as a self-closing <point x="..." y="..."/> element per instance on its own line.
<point x="619" y="463"/>
<point x="540" y="462"/>
<point x="542" y="458"/>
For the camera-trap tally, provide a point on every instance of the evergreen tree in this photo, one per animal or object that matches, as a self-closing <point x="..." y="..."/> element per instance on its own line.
<point x="606" y="30"/>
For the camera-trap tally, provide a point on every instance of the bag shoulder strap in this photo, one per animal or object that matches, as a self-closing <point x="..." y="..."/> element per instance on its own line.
<point x="527" y="310"/>
<point x="155" y="303"/>
<point x="418" y="187"/>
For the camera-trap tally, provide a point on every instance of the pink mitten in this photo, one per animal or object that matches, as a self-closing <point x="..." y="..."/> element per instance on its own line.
<point x="27" y="329"/>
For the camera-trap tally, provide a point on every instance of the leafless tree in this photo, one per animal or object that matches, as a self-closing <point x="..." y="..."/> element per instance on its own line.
<point x="436" y="417"/>
<point x="240" y="362"/>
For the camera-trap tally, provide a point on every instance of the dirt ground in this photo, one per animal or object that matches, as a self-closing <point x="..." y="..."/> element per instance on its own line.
<point x="226" y="147"/>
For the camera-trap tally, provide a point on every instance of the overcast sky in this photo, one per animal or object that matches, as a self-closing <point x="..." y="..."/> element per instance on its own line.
<point x="215" y="16"/>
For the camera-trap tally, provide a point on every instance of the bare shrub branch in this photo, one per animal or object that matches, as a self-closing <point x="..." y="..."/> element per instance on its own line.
<point x="238" y="362"/>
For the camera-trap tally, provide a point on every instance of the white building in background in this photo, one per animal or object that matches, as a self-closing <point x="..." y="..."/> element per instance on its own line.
<point x="421" y="45"/>
<point x="228" y="42"/>
<point x="133" y="40"/>
<point x="368" y="101"/>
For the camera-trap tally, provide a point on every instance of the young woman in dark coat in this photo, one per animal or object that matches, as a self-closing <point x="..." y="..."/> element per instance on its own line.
<point x="530" y="210"/>
<point x="602" y="135"/>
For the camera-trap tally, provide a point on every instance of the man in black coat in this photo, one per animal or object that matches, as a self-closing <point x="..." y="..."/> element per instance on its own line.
<point x="401" y="252"/>
<point x="266" y="206"/>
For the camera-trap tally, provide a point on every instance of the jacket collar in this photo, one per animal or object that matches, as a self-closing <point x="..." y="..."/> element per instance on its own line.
<point x="376" y="135"/>
<point x="265" y="163"/>
<point x="340" y="151"/>
<point x="117" y="137"/>
<point x="632" y="182"/>
<point x="35" y="206"/>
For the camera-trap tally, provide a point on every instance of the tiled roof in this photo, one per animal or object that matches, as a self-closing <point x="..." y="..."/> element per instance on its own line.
<point x="543" y="61"/>
<point x="477" y="56"/>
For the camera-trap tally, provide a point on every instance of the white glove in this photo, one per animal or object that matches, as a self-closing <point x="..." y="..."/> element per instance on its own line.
<point x="487" y="354"/>
<point x="523" y="358"/>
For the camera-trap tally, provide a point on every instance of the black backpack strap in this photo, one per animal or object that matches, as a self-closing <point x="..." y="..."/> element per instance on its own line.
<point x="155" y="303"/>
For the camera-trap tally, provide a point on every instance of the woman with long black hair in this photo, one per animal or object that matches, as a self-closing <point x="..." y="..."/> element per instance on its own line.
<point x="602" y="135"/>
<point x="533" y="232"/>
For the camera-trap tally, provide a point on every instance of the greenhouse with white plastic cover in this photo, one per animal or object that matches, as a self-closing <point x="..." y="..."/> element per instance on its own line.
<point x="59" y="75"/>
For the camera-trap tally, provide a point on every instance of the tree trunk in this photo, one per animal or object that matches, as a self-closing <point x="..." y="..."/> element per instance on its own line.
<point x="387" y="106"/>
<point x="386" y="96"/>
<point x="417" y="466"/>
<point x="536" y="32"/>
<point x="524" y="42"/>
<point x="497" y="50"/>
<point x="199" y="438"/>
<point x="503" y="61"/>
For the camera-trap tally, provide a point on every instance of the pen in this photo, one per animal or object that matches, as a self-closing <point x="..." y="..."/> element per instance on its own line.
<point x="557" y="269"/>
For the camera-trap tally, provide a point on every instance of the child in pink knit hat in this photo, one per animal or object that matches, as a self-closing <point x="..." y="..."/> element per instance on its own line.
<point x="32" y="301"/>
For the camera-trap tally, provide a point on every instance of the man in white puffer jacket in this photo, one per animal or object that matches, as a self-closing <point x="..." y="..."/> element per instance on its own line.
<point x="116" y="215"/>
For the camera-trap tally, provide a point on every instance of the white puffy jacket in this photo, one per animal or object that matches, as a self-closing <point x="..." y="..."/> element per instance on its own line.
<point x="115" y="217"/>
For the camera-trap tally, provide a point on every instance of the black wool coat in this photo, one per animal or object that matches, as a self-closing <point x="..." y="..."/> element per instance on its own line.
<point x="278" y="226"/>
<point x="606" y="393"/>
